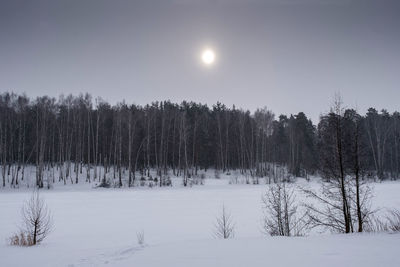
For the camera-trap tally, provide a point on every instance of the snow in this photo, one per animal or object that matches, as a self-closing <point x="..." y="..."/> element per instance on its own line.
<point x="97" y="227"/>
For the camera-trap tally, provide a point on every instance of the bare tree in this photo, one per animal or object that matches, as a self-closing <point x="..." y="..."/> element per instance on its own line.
<point x="335" y="193"/>
<point x="280" y="212"/>
<point x="328" y="214"/>
<point x="224" y="225"/>
<point x="37" y="218"/>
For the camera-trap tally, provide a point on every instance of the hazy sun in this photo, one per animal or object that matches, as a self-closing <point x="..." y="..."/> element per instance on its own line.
<point x="208" y="57"/>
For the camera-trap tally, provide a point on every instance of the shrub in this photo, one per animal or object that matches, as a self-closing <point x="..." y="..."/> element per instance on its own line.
<point x="140" y="238"/>
<point x="21" y="239"/>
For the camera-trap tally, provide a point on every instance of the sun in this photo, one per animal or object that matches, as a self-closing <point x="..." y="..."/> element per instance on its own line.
<point x="208" y="56"/>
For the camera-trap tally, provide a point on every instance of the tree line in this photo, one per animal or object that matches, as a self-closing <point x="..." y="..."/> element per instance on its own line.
<point x="79" y="135"/>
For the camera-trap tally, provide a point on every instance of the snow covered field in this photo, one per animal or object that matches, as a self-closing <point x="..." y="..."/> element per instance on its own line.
<point x="97" y="227"/>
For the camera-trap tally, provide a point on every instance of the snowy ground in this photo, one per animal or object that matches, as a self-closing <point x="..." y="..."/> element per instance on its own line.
<point x="97" y="227"/>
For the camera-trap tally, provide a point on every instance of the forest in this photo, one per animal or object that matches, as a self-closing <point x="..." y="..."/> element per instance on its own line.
<point x="72" y="135"/>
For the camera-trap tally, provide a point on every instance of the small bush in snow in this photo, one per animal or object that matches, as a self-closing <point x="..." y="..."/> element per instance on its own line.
<point x="21" y="239"/>
<point x="224" y="225"/>
<point x="167" y="181"/>
<point x="140" y="238"/>
<point x="394" y="220"/>
<point x="104" y="184"/>
<point x="390" y="222"/>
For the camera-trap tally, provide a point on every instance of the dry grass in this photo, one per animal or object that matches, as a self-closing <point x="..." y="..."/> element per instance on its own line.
<point x="21" y="239"/>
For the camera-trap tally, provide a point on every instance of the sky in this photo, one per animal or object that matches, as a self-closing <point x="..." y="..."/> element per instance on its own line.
<point x="288" y="55"/>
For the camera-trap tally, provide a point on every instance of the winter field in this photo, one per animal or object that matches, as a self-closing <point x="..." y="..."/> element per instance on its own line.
<point x="98" y="227"/>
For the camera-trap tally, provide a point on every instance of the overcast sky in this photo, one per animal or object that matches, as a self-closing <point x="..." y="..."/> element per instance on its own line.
<point x="290" y="55"/>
